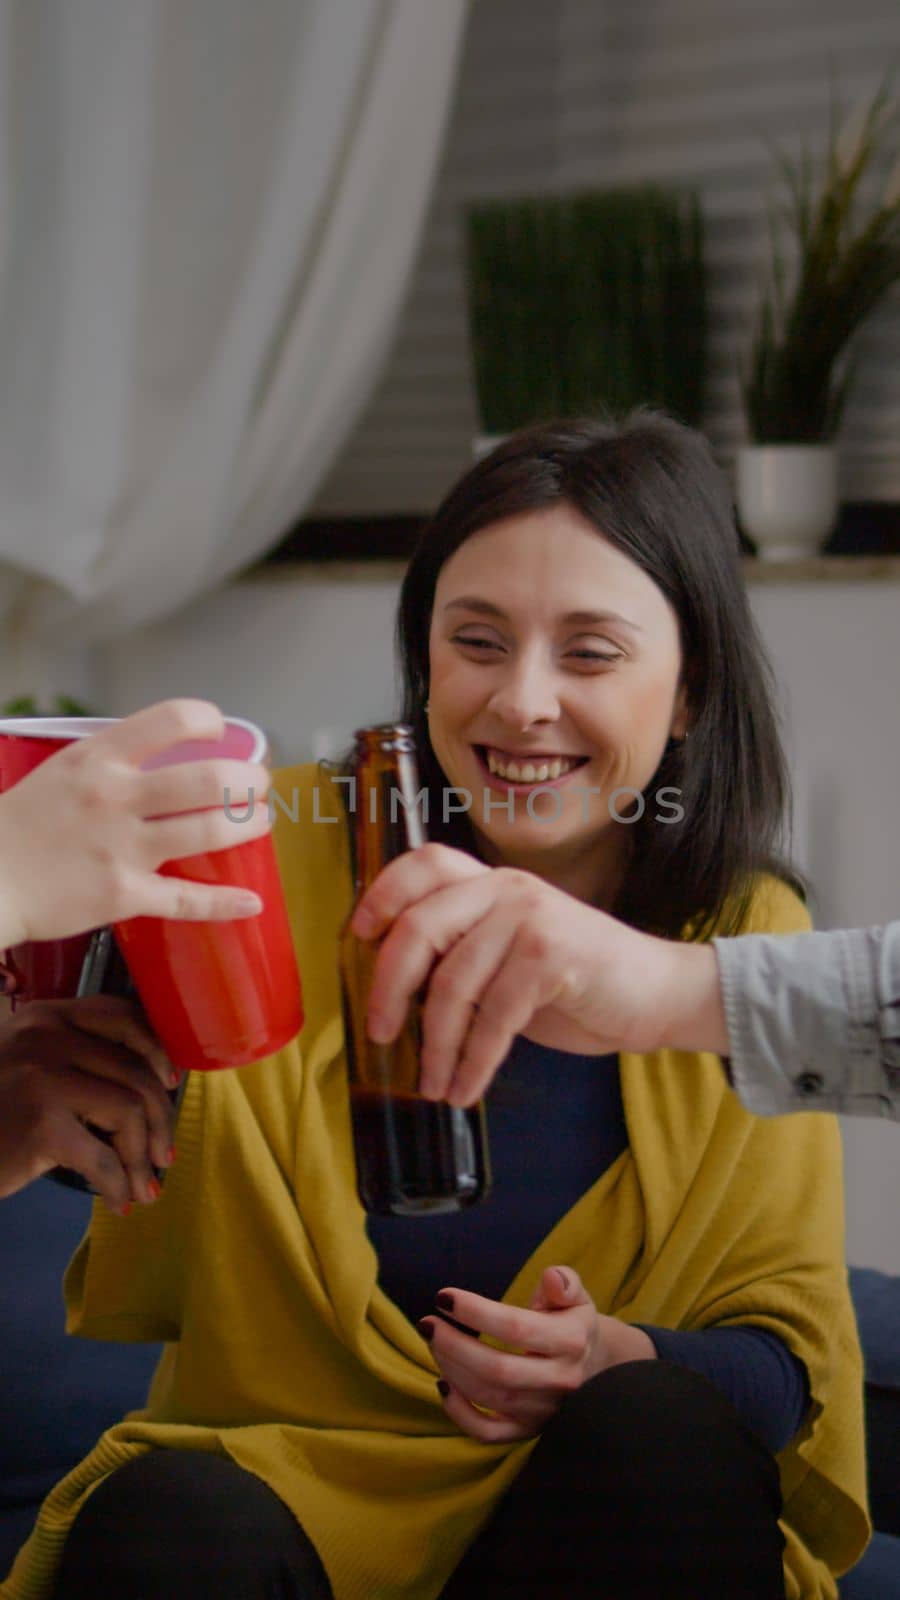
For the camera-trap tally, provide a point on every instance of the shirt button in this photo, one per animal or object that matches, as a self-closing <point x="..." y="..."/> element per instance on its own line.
<point x="809" y="1083"/>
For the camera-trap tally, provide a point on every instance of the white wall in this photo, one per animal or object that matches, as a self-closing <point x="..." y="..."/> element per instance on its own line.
<point x="574" y="93"/>
<point x="309" y="657"/>
<point x="308" y="653"/>
<point x="836" y="650"/>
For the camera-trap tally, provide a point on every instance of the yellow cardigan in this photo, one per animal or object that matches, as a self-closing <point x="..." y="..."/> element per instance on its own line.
<point x="285" y="1355"/>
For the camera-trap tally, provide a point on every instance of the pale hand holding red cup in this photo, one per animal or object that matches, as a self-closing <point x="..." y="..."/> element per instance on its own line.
<point x="83" y="834"/>
<point x="132" y="820"/>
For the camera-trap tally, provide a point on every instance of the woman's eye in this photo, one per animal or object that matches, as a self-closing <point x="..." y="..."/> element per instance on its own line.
<point x="476" y="642"/>
<point x="591" y="653"/>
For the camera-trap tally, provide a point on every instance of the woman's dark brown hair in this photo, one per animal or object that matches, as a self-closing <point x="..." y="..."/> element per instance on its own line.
<point x="652" y="488"/>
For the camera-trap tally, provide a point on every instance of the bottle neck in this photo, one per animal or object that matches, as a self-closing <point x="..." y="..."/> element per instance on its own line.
<point x="388" y="818"/>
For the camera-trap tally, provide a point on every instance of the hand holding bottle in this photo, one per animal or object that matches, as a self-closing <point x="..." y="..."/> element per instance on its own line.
<point x="503" y="952"/>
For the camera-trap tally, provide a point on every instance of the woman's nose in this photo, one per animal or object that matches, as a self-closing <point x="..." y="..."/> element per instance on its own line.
<point x="526" y="695"/>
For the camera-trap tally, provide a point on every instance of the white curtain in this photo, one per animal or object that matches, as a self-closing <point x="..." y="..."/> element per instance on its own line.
<point x="208" y="214"/>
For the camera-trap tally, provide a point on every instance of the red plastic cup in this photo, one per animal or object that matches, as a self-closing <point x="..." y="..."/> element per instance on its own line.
<point x="46" y="969"/>
<point x="217" y="994"/>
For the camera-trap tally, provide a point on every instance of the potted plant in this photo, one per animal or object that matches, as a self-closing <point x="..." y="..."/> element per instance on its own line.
<point x="586" y="302"/>
<point x="846" y="256"/>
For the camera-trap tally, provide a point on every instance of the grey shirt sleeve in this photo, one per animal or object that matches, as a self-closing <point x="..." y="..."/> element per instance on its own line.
<point x="814" y="1020"/>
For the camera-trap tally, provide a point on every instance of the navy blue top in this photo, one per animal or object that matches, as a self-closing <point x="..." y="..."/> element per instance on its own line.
<point x="556" y="1123"/>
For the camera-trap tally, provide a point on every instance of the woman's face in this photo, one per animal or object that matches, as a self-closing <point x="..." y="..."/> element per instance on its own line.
<point x="555" y="666"/>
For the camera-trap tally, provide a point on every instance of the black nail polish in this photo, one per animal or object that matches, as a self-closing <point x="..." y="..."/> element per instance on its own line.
<point x="444" y="1301"/>
<point x="443" y="1387"/>
<point x="426" y="1329"/>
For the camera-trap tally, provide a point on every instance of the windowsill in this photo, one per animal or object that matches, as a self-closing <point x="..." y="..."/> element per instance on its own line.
<point x="824" y="569"/>
<point x="812" y="569"/>
<point x="865" y="548"/>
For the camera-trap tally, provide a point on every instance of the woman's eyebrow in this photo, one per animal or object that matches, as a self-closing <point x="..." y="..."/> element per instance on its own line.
<point x="487" y="608"/>
<point x="471" y="602"/>
<point x="589" y="618"/>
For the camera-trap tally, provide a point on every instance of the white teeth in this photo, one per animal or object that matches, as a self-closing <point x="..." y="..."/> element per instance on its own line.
<point x="528" y="772"/>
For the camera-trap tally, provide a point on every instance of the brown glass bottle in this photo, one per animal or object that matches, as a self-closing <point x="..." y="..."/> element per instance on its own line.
<point x="413" y="1156"/>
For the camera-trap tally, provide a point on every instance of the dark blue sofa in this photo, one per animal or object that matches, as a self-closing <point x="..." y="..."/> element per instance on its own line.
<point x="59" y="1394"/>
<point x="876" y="1296"/>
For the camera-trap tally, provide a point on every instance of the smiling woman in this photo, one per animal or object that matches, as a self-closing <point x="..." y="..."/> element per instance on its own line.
<point x="632" y="1370"/>
<point x="578" y="595"/>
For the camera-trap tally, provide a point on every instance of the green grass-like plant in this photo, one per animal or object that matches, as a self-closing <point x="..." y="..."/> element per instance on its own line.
<point x="587" y="302"/>
<point x="26" y="705"/>
<point x="847" y="257"/>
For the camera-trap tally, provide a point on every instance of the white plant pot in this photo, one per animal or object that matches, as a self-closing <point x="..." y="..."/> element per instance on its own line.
<point x="787" y="497"/>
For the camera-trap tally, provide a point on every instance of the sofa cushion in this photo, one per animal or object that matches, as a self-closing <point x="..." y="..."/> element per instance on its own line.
<point x="876" y="1299"/>
<point x="877" y="1575"/>
<point x="883" y="1455"/>
<point x="59" y="1393"/>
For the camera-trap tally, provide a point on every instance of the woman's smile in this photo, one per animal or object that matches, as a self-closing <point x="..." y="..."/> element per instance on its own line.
<point x="506" y="769"/>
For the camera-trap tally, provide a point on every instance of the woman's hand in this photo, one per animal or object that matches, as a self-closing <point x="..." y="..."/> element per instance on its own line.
<point x="556" y="1345"/>
<point x="503" y="952"/>
<point x="65" y="1063"/>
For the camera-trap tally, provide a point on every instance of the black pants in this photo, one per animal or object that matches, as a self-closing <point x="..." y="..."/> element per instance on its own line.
<point x="645" y="1486"/>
